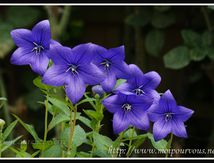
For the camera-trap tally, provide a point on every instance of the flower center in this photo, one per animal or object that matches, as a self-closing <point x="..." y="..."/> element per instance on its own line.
<point x="73" y="69"/>
<point x="168" y="116"/>
<point x="37" y="48"/>
<point x="106" y="63"/>
<point x="138" y="91"/>
<point x="127" y="107"/>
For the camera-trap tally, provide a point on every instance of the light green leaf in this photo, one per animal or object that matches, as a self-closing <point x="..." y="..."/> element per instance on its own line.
<point x="159" y="145"/>
<point x="119" y="82"/>
<point x="93" y="114"/>
<point x="85" y="121"/>
<point x="86" y="100"/>
<point x="38" y="82"/>
<point x="58" y="119"/>
<point x="128" y="133"/>
<point x="154" y="42"/>
<point x="41" y="145"/>
<point x="9" y="143"/>
<point x="8" y="130"/>
<point x="197" y="54"/>
<point x="61" y="105"/>
<point x="83" y="154"/>
<point x="53" y="151"/>
<point x="191" y="38"/>
<point x="23" y="154"/>
<point x="177" y="58"/>
<point x="29" y="128"/>
<point x="79" y="136"/>
<point x="102" y="143"/>
<point x="162" y="20"/>
<point x="3" y="99"/>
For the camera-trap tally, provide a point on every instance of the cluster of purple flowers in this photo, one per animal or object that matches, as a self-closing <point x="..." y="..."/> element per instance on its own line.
<point x="133" y="103"/>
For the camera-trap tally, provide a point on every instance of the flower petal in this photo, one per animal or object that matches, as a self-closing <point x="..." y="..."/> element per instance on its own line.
<point x="109" y="82"/>
<point x="167" y="102"/>
<point x="121" y="69"/>
<point x="22" y="38"/>
<point x="112" y="103"/>
<point x="183" y="113"/>
<point x="178" y="128"/>
<point x="56" y="75"/>
<point x="151" y="79"/>
<point x="161" y="129"/>
<point x="124" y="87"/>
<point x="120" y="122"/>
<point x="116" y="54"/>
<point x="155" y="113"/>
<point x="22" y="56"/>
<point x="40" y="63"/>
<point x="91" y="74"/>
<point x="42" y="33"/>
<point x="75" y="90"/>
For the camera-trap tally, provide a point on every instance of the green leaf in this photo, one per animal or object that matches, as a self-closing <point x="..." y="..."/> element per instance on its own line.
<point x="119" y="82"/>
<point x="140" y="140"/>
<point x="8" y="130"/>
<point x="197" y="54"/>
<point x="128" y="133"/>
<point x="61" y="105"/>
<point x="162" y="20"/>
<point x="9" y="143"/>
<point x="177" y="58"/>
<point x="41" y="145"/>
<point x="38" y="82"/>
<point x="79" y="136"/>
<point x="159" y="145"/>
<point x="23" y="154"/>
<point x="86" y="121"/>
<point x="53" y="151"/>
<point x="83" y="154"/>
<point x="3" y="99"/>
<point x="191" y="38"/>
<point x="102" y="143"/>
<point x="207" y="39"/>
<point x="93" y="114"/>
<point x="210" y="53"/>
<point x="86" y="100"/>
<point x="29" y="128"/>
<point x="154" y="42"/>
<point x="210" y="7"/>
<point x="58" y="119"/>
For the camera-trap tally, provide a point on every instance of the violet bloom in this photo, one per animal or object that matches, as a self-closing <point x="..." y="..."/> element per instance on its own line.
<point x="33" y="46"/>
<point x="73" y="68"/>
<point x="140" y="83"/>
<point x="111" y="62"/>
<point x="168" y="117"/>
<point x="97" y="89"/>
<point x="128" y="110"/>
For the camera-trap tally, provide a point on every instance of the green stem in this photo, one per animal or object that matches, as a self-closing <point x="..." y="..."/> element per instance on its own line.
<point x="206" y="17"/>
<point x="5" y="106"/>
<point x="169" y="145"/>
<point x="46" y="121"/>
<point x="72" y="128"/>
<point x="1" y="138"/>
<point x="64" y="21"/>
<point x="130" y="143"/>
<point x="119" y="140"/>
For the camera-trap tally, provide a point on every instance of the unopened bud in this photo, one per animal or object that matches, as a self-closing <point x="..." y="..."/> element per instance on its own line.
<point x="23" y="145"/>
<point x="2" y="123"/>
<point x="98" y="90"/>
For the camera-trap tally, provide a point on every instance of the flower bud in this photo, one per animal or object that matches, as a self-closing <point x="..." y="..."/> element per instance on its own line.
<point x="2" y="123"/>
<point x="23" y="145"/>
<point x="98" y="90"/>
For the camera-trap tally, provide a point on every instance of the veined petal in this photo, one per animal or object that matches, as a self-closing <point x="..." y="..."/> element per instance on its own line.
<point x="155" y="113"/>
<point x="75" y="90"/>
<point x="135" y="70"/>
<point x="22" y="38"/>
<point x="40" y="63"/>
<point x="178" y="128"/>
<point x="21" y="56"/>
<point x="116" y="54"/>
<point x="109" y="82"/>
<point x="56" y="75"/>
<point x="112" y="103"/>
<point x="121" y="69"/>
<point x="161" y="129"/>
<point x="91" y="74"/>
<point x="120" y="122"/>
<point x="124" y="87"/>
<point x="183" y="113"/>
<point x="167" y="102"/>
<point x="151" y="80"/>
<point x="42" y="33"/>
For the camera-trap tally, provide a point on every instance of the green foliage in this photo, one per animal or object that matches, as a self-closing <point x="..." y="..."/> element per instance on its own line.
<point x="9" y="129"/>
<point x="159" y="145"/>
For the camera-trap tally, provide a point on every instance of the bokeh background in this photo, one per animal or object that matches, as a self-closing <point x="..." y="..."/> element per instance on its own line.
<point x="175" y="41"/>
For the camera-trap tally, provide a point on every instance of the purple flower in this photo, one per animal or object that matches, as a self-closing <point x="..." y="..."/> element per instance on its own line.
<point x="73" y="68"/>
<point x="168" y="117"/>
<point x="111" y="62"/>
<point x="97" y="89"/>
<point x="140" y="83"/>
<point x="128" y="110"/>
<point x="33" y="46"/>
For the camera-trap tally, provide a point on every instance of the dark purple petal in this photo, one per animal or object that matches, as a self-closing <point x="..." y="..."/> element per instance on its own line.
<point x="139" y="119"/>
<point x="167" y="102"/>
<point x="120" y="122"/>
<point x="61" y="55"/>
<point x="56" y="75"/>
<point x="40" y="63"/>
<point x="22" y="56"/>
<point x="183" y="113"/>
<point x="121" y="69"/>
<point x="22" y="38"/>
<point x="178" y="128"/>
<point x="91" y="74"/>
<point x="42" y="33"/>
<point x="112" y="103"/>
<point x="152" y="80"/>
<point x="109" y="82"/>
<point x="75" y="90"/>
<point x="161" y="129"/>
<point x="116" y="54"/>
<point x="155" y="113"/>
<point x="84" y="53"/>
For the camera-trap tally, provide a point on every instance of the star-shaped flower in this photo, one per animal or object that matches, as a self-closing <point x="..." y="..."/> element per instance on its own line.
<point x="33" y="46"/>
<point x="168" y="117"/>
<point x="128" y="110"/>
<point x="111" y="62"/>
<point x="73" y="68"/>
